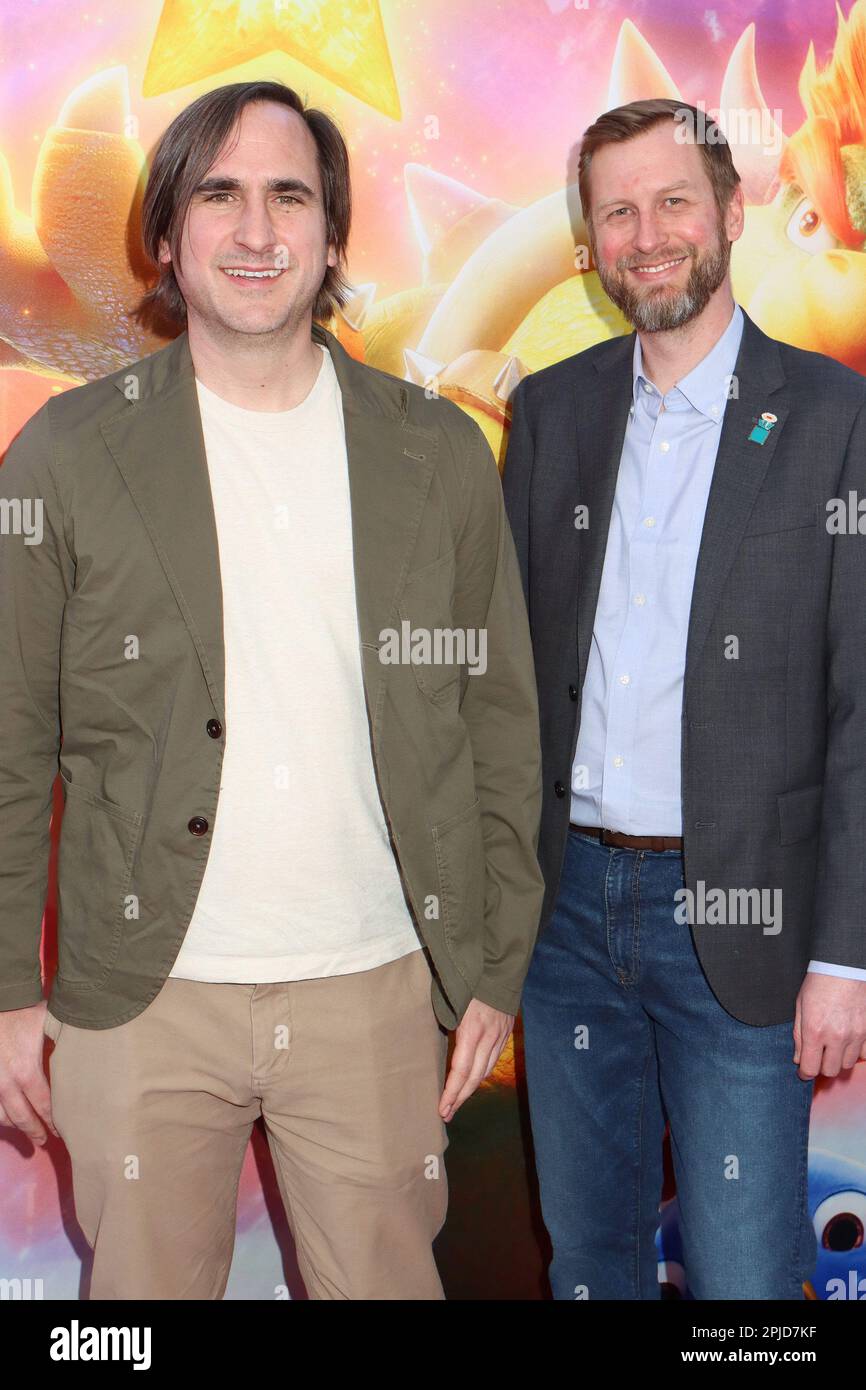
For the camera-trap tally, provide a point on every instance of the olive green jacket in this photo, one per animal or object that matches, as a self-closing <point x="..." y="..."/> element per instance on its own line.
<point x="112" y="666"/>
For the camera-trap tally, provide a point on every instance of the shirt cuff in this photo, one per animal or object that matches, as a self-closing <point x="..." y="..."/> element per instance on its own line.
<point x="847" y="972"/>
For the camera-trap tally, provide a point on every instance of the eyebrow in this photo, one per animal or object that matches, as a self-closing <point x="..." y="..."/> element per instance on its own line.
<point x="221" y="183"/>
<point x="669" y="188"/>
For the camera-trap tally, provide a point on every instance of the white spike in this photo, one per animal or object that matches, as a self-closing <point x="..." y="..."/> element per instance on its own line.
<point x="506" y="380"/>
<point x="419" y="368"/>
<point x="636" y="71"/>
<point x="436" y="199"/>
<point x="358" y="303"/>
<point x="757" y="156"/>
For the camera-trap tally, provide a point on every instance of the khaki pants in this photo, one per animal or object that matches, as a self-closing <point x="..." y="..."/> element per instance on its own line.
<point x="346" y="1071"/>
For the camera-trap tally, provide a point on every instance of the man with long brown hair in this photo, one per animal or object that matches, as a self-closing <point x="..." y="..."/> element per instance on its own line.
<point x="296" y="850"/>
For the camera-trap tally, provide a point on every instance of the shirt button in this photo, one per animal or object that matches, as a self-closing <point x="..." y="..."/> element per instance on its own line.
<point x="197" y="826"/>
<point x="618" y="760"/>
<point x="559" y="789"/>
<point x="714" y="410"/>
<point x="647" y="387"/>
<point x="640" y="600"/>
<point x="624" y="680"/>
<point x="214" y="728"/>
<point x="649" y="521"/>
<point x="664" y="446"/>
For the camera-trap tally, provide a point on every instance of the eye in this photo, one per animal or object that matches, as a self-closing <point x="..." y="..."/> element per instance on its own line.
<point x="674" y="199"/>
<point x="806" y="229"/>
<point x="212" y="197"/>
<point x="840" y="1221"/>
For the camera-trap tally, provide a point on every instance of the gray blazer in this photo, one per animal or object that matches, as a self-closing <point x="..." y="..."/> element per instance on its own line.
<point x="774" y="743"/>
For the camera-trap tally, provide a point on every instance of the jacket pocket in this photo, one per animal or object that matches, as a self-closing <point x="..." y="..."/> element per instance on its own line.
<point x="460" y="861"/>
<point x="98" y="841"/>
<point x="799" y="813"/>
<point x="425" y="605"/>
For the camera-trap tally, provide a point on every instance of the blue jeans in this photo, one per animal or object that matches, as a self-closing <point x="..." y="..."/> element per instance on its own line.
<point x="621" y="1032"/>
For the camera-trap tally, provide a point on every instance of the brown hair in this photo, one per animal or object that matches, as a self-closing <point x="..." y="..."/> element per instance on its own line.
<point x="626" y="122"/>
<point x="182" y="157"/>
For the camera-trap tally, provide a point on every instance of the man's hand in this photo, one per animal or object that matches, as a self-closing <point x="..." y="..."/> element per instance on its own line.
<point x="25" y="1100"/>
<point x="829" y="1025"/>
<point x="481" y="1035"/>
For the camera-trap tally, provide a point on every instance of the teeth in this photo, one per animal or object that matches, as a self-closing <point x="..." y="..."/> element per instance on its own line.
<point x="656" y="269"/>
<point x="255" y="274"/>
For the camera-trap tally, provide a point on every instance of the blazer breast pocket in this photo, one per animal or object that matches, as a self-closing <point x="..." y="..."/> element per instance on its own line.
<point x="772" y="566"/>
<point x="769" y="523"/>
<point x="434" y="646"/>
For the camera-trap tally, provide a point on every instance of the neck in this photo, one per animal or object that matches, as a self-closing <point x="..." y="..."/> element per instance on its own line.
<point x="259" y="371"/>
<point x="669" y="356"/>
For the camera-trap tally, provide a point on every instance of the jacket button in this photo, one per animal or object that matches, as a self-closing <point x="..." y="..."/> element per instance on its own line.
<point x="197" y="826"/>
<point x="573" y="692"/>
<point x="559" y="789"/>
<point x="214" y="728"/>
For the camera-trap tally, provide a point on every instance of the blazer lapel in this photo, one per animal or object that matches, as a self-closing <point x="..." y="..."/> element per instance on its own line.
<point x="158" y="445"/>
<point x="740" y="468"/>
<point x="602" y="414"/>
<point x="390" y="464"/>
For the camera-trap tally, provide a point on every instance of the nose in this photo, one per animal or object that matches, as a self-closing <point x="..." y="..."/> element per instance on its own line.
<point x="254" y="229"/>
<point x="649" y="233"/>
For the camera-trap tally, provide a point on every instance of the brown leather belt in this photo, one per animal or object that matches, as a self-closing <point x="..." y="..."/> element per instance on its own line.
<point x="620" y="841"/>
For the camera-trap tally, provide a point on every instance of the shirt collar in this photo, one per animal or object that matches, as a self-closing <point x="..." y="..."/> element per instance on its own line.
<point x="706" y="387"/>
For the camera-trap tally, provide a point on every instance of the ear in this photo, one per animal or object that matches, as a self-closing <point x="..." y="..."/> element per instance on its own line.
<point x="332" y="255"/>
<point x="164" y="252"/>
<point x="735" y="219"/>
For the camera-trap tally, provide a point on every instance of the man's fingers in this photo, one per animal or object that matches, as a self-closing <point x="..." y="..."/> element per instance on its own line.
<point x="39" y="1095"/>
<point x="468" y="1088"/>
<point x="23" y="1116"/>
<point x="470" y="1063"/>
<point x="810" y="1060"/>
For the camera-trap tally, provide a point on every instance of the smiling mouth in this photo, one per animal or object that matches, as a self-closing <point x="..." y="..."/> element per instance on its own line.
<point x="657" y="269"/>
<point x="237" y="273"/>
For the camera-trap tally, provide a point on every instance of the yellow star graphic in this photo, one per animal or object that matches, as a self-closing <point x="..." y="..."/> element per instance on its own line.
<point x="343" y="40"/>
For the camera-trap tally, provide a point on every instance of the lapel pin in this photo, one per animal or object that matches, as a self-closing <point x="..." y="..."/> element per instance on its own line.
<point x="762" y="429"/>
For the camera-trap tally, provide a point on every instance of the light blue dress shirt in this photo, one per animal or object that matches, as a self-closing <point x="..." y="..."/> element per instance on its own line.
<point x="626" y="771"/>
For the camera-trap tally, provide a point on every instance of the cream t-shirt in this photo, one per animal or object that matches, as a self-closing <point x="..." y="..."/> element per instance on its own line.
<point x="301" y="880"/>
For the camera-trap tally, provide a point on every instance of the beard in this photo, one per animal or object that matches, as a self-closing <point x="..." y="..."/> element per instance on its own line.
<point x="666" y="308"/>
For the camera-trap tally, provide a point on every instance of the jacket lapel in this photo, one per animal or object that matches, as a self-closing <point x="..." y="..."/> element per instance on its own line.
<point x="158" y="446"/>
<point x="740" y="469"/>
<point x="601" y="412"/>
